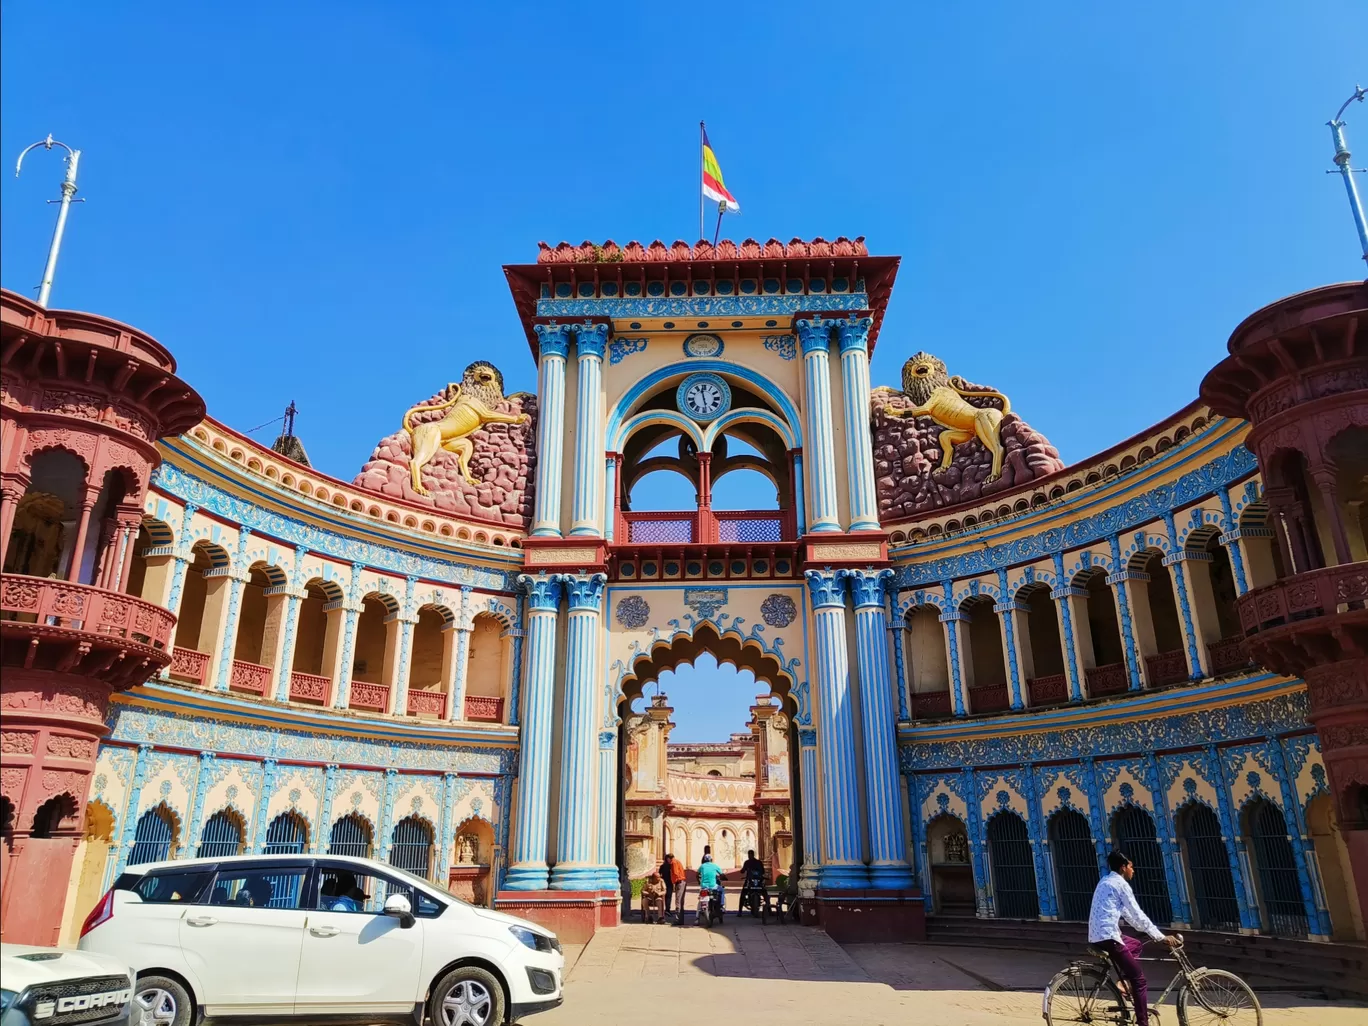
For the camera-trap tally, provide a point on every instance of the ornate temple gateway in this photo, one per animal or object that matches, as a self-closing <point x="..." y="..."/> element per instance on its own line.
<point x="983" y="668"/>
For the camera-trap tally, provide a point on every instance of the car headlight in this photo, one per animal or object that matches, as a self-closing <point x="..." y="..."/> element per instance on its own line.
<point x="534" y="940"/>
<point x="7" y="998"/>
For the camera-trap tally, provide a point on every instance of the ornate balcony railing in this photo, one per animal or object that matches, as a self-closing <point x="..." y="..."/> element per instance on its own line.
<point x="931" y="705"/>
<point x="189" y="665"/>
<point x="365" y="695"/>
<point x="1049" y="690"/>
<point x="483" y="709"/>
<point x="1166" y="668"/>
<point x="80" y="607"/>
<point x="707" y="526"/>
<point x="992" y="698"/>
<point x="1228" y="655"/>
<point x="251" y="677"/>
<point x="699" y="789"/>
<point x="1308" y="595"/>
<point x="426" y="703"/>
<point x="309" y="687"/>
<point x="1106" y="680"/>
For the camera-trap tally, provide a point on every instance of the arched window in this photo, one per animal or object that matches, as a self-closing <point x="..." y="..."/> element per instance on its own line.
<point x="1279" y="889"/>
<point x="981" y="656"/>
<point x="1133" y="832"/>
<point x="377" y="638"/>
<point x="43" y="534"/>
<point x="351" y="835"/>
<point x="1348" y="454"/>
<point x="928" y="673"/>
<point x="221" y="836"/>
<point x="52" y="814"/>
<point x="1158" y="626"/>
<point x="431" y="655"/>
<point x="1041" y="650"/>
<point x="411" y="846"/>
<point x="288" y="834"/>
<point x="1108" y="657"/>
<point x="1014" y="880"/>
<point x="1075" y="861"/>
<point x="154" y="836"/>
<point x="488" y="671"/>
<point x="1208" y="865"/>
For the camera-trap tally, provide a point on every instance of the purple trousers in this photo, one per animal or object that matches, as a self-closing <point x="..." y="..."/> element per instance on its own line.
<point x="1126" y="957"/>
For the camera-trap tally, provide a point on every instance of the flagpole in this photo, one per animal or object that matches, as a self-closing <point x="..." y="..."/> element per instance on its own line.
<point x="700" y="179"/>
<point x="721" y="209"/>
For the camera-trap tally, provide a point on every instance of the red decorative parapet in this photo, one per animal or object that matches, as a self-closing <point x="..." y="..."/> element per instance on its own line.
<point x="1166" y="668"/>
<point x="1107" y="680"/>
<point x="365" y="695"/>
<point x="308" y="687"/>
<point x="1048" y="690"/>
<point x="483" y="709"/>
<point x="1228" y="656"/>
<point x="931" y="705"/>
<point x="1317" y="593"/>
<point x="189" y="665"/>
<point x="426" y="703"/>
<point x="83" y="608"/>
<point x="993" y="698"/>
<point x="251" y="677"/>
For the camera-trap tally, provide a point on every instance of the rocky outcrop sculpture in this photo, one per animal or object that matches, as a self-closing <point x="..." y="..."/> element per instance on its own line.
<point x="942" y="441"/>
<point x="476" y="451"/>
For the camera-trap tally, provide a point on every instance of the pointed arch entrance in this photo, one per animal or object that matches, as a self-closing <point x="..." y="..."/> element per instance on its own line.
<point x="659" y="808"/>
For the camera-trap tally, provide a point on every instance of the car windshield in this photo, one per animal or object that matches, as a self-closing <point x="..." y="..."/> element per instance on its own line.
<point x="424" y="885"/>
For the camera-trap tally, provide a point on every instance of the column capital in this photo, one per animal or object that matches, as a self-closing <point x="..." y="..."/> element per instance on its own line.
<point x="814" y="334"/>
<point x="1186" y="555"/>
<point x="1128" y="575"/>
<point x="867" y="587"/>
<point x="553" y="339"/>
<point x="591" y="339"/>
<point x="543" y="591"/>
<point x="853" y="332"/>
<point x="827" y="587"/>
<point x="584" y="592"/>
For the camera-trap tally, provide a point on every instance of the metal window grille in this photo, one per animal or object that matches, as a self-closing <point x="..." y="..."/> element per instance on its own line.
<point x="1133" y="831"/>
<point x="1014" y="880"/>
<point x="286" y="835"/>
<point x="759" y="528"/>
<point x="411" y="846"/>
<point x="1278" y="884"/>
<point x="221" y="836"/>
<point x="350" y="835"/>
<point x="1075" y="861"/>
<point x="1208" y="863"/>
<point x="152" y="839"/>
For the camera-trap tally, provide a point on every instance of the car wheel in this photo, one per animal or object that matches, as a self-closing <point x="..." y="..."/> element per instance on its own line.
<point x="469" y="996"/>
<point x="160" y="1001"/>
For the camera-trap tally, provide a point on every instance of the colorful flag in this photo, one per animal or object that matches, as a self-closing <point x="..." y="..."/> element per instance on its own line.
<point x="713" y="186"/>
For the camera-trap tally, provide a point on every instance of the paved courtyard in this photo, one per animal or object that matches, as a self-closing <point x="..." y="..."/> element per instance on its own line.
<point x="754" y="975"/>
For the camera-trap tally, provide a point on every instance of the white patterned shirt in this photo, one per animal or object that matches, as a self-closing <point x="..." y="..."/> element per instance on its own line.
<point x="1113" y="901"/>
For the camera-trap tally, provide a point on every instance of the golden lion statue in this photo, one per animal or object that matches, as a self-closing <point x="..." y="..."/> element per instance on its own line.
<point x="470" y="406"/>
<point x="937" y="395"/>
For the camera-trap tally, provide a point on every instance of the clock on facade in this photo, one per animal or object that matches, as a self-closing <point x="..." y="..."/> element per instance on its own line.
<point x="703" y="396"/>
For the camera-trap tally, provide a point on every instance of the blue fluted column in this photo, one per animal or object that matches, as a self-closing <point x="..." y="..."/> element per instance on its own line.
<point x="575" y="868"/>
<point x="1168" y="842"/>
<point x="842" y="825"/>
<point x="183" y="558"/>
<point x="351" y="613"/>
<point x="463" y="625"/>
<point x="1230" y="837"/>
<point x="528" y="870"/>
<point x="586" y="504"/>
<point x="609" y="880"/>
<point x="896" y="627"/>
<point x="1040" y="846"/>
<point x="1097" y="820"/>
<point x="322" y="835"/>
<point x="888" y="867"/>
<point x="853" y="336"/>
<point x="238" y="575"/>
<point x="815" y="337"/>
<point x="135" y="789"/>
<point x="269" y="769"/>
<point x="1061" y="593"/>
<point x="1230" y="538"/>
<point x="950" y="619"/>
<point x="1175" y="561"/>
<point x="1117" y="581"/>
<point x="190" y="843"/>
<point x="553" y="345"/>
<point x="447" y="834"/>
<point x="799" y="496"/>
<point x="811" y="839"/>
<point x="978" y="843"/>
<point x="386" y="830"/>
<point x="1317" y="916"/>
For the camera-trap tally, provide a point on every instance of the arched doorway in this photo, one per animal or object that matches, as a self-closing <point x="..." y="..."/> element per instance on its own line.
<point x="1337" y="877"/>
<point x="1133" y="833"/>
<point x="1208" y="865"/>
<point x="1014" y="879"/>
<point x="1280" y="896"/>
<point x="952" y="869"/>
<point x="1075" y="860"/>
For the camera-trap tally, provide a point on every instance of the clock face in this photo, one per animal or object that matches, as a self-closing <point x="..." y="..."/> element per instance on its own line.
<point x="704" y="396"/>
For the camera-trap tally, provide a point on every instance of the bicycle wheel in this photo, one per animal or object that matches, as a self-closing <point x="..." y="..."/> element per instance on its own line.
<point x="1084" y="993"/>
<point x="1214" y="996"/>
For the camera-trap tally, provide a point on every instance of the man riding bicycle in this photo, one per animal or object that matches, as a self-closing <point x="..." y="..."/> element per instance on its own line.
<point x="1113" y="901"/>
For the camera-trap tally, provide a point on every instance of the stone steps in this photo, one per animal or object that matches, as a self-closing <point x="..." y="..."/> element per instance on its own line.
<point x="1265" y="962"/>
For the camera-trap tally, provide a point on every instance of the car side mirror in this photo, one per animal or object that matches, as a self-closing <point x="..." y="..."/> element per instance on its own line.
<point x="397" y="905"/>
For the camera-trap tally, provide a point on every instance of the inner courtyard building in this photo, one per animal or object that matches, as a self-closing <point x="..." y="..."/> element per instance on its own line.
<point x="976" y="669"/>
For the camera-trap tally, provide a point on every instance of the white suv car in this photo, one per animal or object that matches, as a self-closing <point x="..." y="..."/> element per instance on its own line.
<point x="313" y="937"/>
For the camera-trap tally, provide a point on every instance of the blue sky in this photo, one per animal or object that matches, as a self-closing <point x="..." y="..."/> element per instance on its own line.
<point x="312" y="202"/>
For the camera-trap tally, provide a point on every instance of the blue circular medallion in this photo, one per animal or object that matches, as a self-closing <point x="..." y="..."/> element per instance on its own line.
<point x="703" y="396"/>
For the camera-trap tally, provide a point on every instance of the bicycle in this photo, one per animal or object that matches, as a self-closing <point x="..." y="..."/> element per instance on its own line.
<point x="1090" y="991"/>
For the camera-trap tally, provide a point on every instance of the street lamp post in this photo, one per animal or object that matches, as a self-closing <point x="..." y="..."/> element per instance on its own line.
<point x="73" y="158"/>
<point x="1347" y="172"/>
